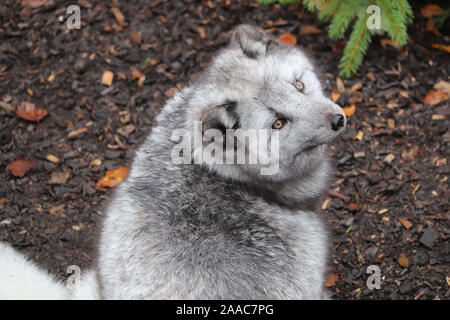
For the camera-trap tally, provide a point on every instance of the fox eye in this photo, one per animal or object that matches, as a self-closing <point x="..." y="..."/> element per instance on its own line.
<point x="298" y="85"/>
<point x="278" y="124"/>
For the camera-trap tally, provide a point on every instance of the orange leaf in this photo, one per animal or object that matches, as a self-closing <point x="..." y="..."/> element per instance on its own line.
<point x="112" y="178"/>
<point x="331" y="279"/>
<point x="441" y="47"/>
<point x="405" y="222"/>
<point x="352" y="206"/>
<point x="386" y="42"/>
<point x="33" y="3"/>
<point x="308" y="29"/>
<point x="334" y="95"/>
<point x="434" y="96"/>
<point x="21" y="166"/>
<point x="288" y="38"/>
<point x="431" y="10"/>
<point x="28" y="111"/>
<point x="349" y="110"/>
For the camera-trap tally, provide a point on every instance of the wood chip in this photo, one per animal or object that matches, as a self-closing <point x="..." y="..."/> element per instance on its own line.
<point x="76" y="132"/>
<point x="405" y="222"/>
<point x="52" y="158"/>
<point x="107" y="78"/>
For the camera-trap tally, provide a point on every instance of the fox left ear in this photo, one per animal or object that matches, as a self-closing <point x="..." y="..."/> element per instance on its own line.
<point x="252" y="40"/>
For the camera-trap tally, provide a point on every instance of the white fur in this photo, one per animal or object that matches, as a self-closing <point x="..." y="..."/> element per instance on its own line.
<point x="21" y="279"/>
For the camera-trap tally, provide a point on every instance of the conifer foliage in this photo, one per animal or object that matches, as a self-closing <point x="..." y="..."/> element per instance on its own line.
<point x="394" y="17"/>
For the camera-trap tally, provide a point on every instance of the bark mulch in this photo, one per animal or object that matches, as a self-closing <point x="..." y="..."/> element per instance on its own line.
<point x="387" y="207"/>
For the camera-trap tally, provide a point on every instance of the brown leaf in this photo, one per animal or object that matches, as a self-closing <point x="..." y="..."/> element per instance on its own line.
<point x="405" y="222"/>
<point x="307" y="29"/>
<point x="432" y="28"/>
<point x="119" y="16"/>
<point x="33" y="3"/>
<point x="386" y="42"/>
<point x="112" y="178"/>
<point x="411" y="154"/>
<point x="60" y="177"/>
<point x="136" y="36"/>
<point x="331" y="279"/>
<point x="340" y="85"/>
<point x="430" y="10"/>
<point x="28" y="111"/>
<point x="288" y="38"/>
<point x="21" y="166"/>
<point x="403" y="260"/>
<point x="126" y="131"/>
<point x="352" y="206"/>
<point x="349" y="110"/>
<point x="434" y="96"/>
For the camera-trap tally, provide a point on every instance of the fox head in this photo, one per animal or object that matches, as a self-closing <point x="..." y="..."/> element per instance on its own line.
<point x="258" y="83"/>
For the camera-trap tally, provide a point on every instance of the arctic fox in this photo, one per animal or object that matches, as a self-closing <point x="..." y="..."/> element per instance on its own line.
<point x="202" y="228"/>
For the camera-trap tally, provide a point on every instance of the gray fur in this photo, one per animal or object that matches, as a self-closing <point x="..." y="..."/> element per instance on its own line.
<point x="225" y="231"/>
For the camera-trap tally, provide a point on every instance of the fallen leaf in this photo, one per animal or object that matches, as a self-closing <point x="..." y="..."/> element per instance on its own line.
<point x="441" y="47"/>
<point x="340" y="85"/>
<point x="307" y="29"/>
<point x="95" y="162"/>
<point x="432" y="28"/>
<point x="21" y="166"/>
<point x="360" y="154"/>
<point x="411" y="154"/>
<point x="136" y="36"/>
<point x="389" y="158"/>
<point x="349" y="110"/>
<point x="430" y="10"/>
<point x="356" y="86"/>
<point x="352" y="206"/>
<point x="331" y="279"/>
<point x="33" y="3"/>
<point x="28" y="111"/>
<point x="386" y="42"/>
<point x="112" y="178"/>
<point x="170" y="92"/>
<point x="403" y="260"/>
<point x="405" y="222"/>
<point x="201" y="32"/>
<point x="288" y="38"/>
<point x="444" y="86"/>
<point x="334" y="95"/>
<point x="107" y="78"/>
<point x="60" y="177"/>
<point x="434" y="96"/>
<point x="126" y="131"/>
<point x="57" y="210"/>
<point x="371" y="76"/>
<point x="119" y="16"/>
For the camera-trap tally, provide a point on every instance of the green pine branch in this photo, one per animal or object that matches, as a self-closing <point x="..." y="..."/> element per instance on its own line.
<point x="356" y="47"/>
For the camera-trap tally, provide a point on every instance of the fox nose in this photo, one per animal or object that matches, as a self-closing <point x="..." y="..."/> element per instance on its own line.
<point x="337" y="122"/>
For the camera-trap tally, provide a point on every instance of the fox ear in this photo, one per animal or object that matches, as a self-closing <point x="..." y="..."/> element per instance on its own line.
<point x="252" y="40"/>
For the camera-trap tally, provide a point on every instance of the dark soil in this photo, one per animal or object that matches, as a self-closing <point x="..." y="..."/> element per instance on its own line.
<point x="397" y="169"/>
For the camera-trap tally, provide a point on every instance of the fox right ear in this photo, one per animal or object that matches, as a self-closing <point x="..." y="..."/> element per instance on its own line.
<point x="252" y="40"/>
